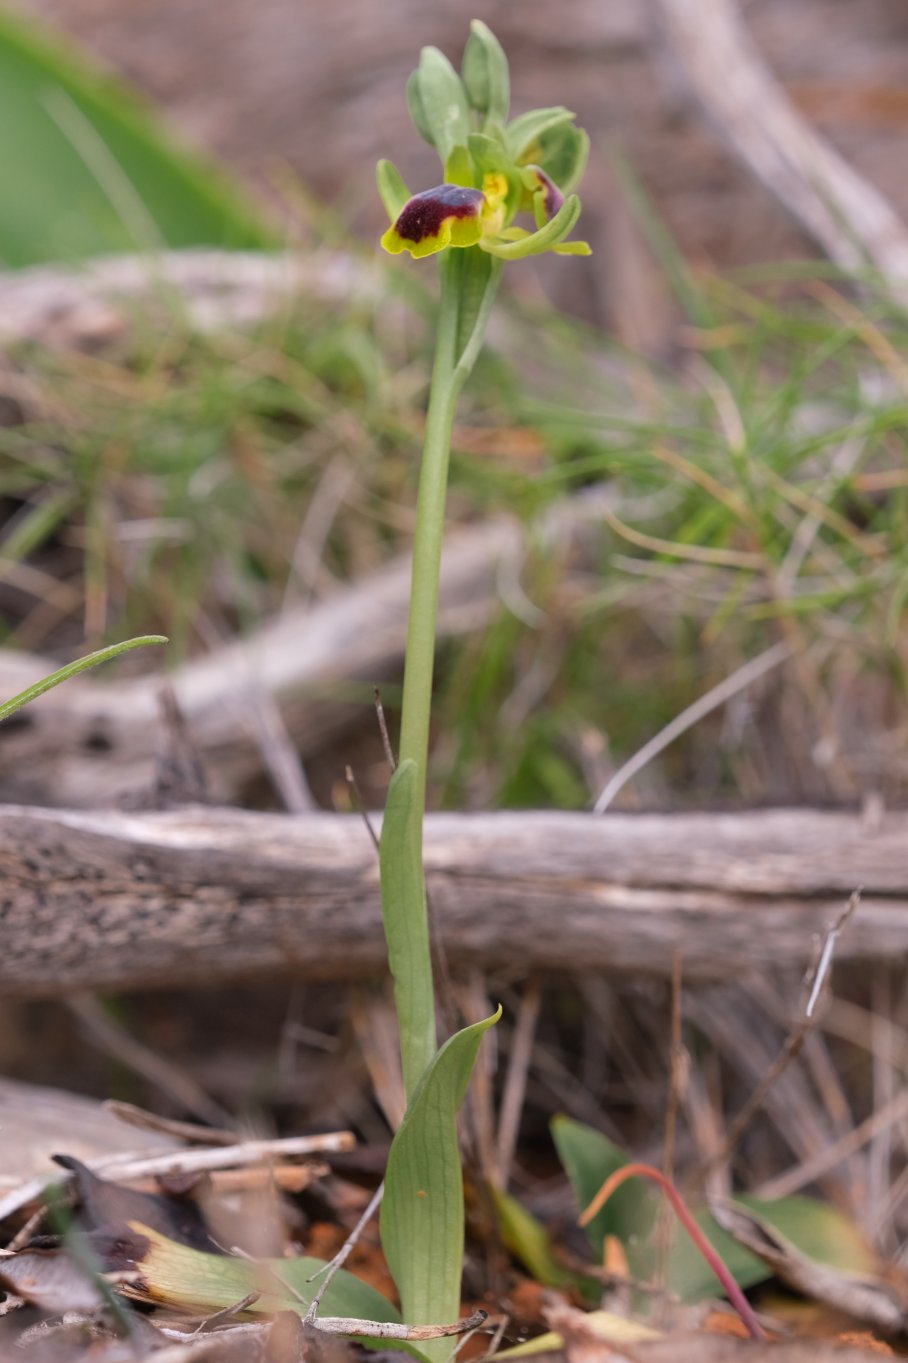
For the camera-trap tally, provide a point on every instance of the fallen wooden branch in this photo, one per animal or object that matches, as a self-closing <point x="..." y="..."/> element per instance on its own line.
<point x="98" y="301"/>
<point x="94" y="742"/>
<point x="117" y="901"/>
<point x="850" y="219"/>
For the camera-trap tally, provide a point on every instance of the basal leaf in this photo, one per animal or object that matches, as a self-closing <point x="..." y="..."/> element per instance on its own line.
<point x="422" y="1212"/>
<point x="589" y="1158"/>
<point x="528" y="1241"/>
<point x="815" y="1229"/>
<point x="180" y="1276"/>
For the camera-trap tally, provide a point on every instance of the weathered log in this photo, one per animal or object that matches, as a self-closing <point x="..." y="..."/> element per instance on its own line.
<point x="117" y="901"/>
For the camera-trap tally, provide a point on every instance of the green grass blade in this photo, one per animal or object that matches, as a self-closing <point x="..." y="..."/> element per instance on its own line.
<point x="403" y="899"/>
<point x="422" y="1212"/>
<point x="103" y="655"/>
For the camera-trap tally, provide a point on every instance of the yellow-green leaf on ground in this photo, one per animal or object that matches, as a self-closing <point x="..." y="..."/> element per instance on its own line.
<point x="189" y="1278"/>
<point x="605" y="1325"/>
<point x="528" y="1240"/>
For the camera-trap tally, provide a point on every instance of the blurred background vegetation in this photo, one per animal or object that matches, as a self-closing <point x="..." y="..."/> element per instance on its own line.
<point x="748" y="454"/>
<point x="719" y="412"/>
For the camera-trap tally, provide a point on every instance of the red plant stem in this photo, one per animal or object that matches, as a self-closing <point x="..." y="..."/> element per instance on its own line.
<point x="680" y="1208"/>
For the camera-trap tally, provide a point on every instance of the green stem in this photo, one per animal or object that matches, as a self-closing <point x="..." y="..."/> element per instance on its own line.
<point x="468" y="282"/>
<point x="430" y="521"/>
<point x="463" y="273"/>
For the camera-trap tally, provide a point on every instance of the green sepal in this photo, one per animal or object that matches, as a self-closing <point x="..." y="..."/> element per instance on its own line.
<point x="391" y="188"/>
<point x="548" y="238"/>
<point x="563" y="154"/>
<point x="417" y="109"/>
<point x="524" y="133"/>
<point x="459" y="169"/>
<point x="403" y="901"/>
<point x="422" y="1215"/>
<point x="486" y="77"/>
<point x="438" y="103"/>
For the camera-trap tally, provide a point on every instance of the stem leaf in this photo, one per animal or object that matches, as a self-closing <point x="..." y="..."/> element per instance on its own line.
<point x="403" y="899"/>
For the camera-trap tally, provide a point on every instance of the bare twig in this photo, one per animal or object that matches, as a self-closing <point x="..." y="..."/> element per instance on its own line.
<point x="185" y="1131"/>
<point x="383" y="730"/>
<point x="126" y="1168"/>
<point x="739" y="680"/>
<point x="332" y="1268"/>
<point x="848" y="216"/>
<point x="794" y="1042"/>
<point x="515" y="1080"/>
<point x="106" y="1033"/>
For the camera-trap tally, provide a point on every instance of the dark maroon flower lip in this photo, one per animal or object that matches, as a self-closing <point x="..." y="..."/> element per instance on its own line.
<point x="423" y="215"/>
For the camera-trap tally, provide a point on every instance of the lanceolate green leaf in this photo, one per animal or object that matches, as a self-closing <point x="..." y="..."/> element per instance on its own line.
<point x="422" y="1212"/>
<point x="86" y="169"/>
<point x="403" y="899"/>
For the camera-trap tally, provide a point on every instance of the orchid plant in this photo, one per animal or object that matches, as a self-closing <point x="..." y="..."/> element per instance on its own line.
<point x="494" y="173"/>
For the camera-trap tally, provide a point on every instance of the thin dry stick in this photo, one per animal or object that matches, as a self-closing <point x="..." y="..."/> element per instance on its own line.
<point x="360" y="806"/>
<point x="677" y="1080"/>
<point x="330" y="1269"/>
<point x="107" y="1034"/>
<point x="382" y="1329"/>
<point x="824" y="1160"/>
<point x="716" y="696"/>
<point x="186" y="1131"/>
<point x="128" y="1167"/>
<point x="793" y="1042"/>
<point x="279" y="754"/>
<point x="516" y="1081"/>
<point x="383" y="730"/>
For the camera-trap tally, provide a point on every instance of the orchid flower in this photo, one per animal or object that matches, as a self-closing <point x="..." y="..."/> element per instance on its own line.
<point x="494" y="171"/>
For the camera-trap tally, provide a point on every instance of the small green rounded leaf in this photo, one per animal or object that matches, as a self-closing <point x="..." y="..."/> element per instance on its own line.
<point x="391" y="188"/>
<point x="438" y="103"/>
<point x="485" y="73"/>
<point x="417" y="108"/>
